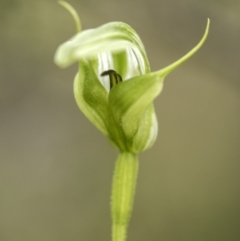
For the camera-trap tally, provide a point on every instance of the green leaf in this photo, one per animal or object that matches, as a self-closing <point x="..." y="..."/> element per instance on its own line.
<point x="129" y="100"/>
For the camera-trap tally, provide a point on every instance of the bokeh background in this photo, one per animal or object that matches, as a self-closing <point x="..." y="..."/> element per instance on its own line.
<point x="56" y="168"/>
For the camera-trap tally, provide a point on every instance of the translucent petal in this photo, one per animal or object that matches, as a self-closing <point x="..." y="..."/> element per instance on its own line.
<point x="112" y="37"/>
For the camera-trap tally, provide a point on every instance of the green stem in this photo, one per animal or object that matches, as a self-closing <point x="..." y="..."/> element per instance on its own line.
<point x="123" y="189"/>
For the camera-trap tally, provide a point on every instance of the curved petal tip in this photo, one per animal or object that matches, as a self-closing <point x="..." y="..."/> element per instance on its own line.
<point x="74" y="14"/>
<point x="167" y="70"/>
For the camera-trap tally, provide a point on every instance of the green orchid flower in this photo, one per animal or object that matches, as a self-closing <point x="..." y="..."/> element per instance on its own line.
<point x="115" y="89"/>
<point x="124" y="112"/>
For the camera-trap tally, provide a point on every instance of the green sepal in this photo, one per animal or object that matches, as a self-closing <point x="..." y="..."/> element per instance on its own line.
<point x="91" y="96"/>
<point x="147" y="130"/>
<point x="129" y="100"/>
<point x="167" y="70"/>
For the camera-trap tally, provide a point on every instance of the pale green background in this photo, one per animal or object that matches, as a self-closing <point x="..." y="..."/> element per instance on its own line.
<point x="56" y="168"/>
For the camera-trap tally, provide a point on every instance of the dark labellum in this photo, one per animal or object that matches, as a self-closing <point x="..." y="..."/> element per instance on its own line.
<point x="114" y="77"/>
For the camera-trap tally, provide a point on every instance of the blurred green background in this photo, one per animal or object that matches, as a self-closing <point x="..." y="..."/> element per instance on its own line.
<point x="56" y="168"/>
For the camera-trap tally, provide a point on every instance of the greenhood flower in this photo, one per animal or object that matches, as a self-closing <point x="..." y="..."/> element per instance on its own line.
<point x="115" y="89"/>
<point x="114" y="86"/>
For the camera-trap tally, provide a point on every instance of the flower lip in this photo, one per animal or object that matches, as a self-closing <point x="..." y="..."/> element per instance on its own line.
<point x="114" y="77"/>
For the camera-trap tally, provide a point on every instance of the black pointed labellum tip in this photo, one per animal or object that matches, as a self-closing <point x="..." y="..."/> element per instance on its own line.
<point x="114" y="77"/>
